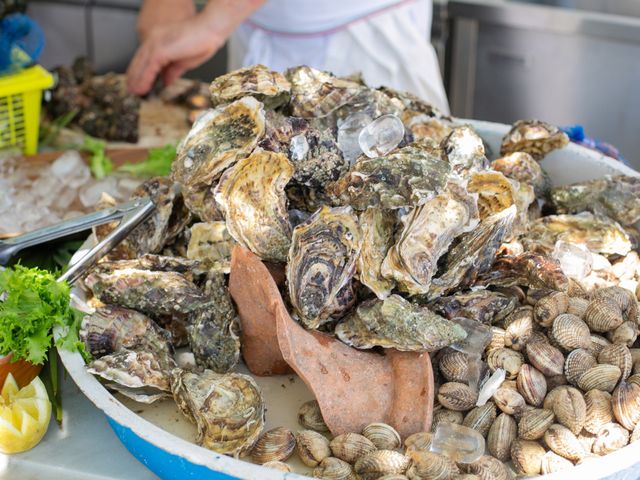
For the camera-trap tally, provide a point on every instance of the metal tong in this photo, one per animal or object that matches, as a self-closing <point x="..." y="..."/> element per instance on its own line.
<point x="132" y="214"/>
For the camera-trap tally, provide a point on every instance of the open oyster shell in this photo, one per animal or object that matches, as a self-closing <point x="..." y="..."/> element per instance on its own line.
<point x="214" y="330"/>
<point x="397" y="323"/>
<point x="268" y="86"/>
<point x="251" y="195"/>
<point x="427" y="234"/>
<point x="228" y="409"/>
<point x="495" y="192"/>
<point x="617" y="197"/>
<point x="377" y="227"/>
<point x="406" y="177"/>
<point x="484" y="306"/>
<point x="216" y="141"/>
<point x="522" y="167"/>
<point x="210" y="244"/>
<point x="533" y="137"/>
<point x="317" y="94"/>
<point x="528" y="270"/>
<point x="598" y="233"/>
<point x="322" y="261"/>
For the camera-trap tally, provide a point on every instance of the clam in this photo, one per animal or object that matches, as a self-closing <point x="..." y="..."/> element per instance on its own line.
<point x="312" y="447"/>
<point x="599" y="410"/>
<point x="534" y="137"/>
<point x="509" y="360"/>
<point x="551" y="462"/>
<point x="276" y="444"/>
<point x="454" y="366"/>
<point x="497" y="338"/>
<point x="635" y="435"/>
<point x="277" y="465"/>
<point x="603" y="315"/>
<point x="332" y="468"/>
<point x="418" y="441"/>
<point x="625" y="403"/>
<point x="509" y="401"/>
<point x="587" y="440"/>
<point x="610" y="437"/>
<point x="310" y="417"/>
<point x="429" y="465"/>
<point x="563" y="442"/>
<point x="383" y="436"/>
<point x="270" y="87"/>
<point x="481" y="418"/>
<point x="381" y="462"/>
<point x="577" y="306"/>
<point x="488" y="468"/>
<point x="625" y="334"/>
<point x="546" y="358"/>
<point x="548" y="308"/>
<point x="625" y="300"/>
<point x="578" y="361"/>
<point x="532" y="385"/>
<point x="527" y="456"/>
<point x="598" y="342"/>
<point x="570" y="409"/>
<point x="551" y="397"/>
<point x="570" y="332"/>
<point x="457" y="396"/>
<point x="518" y="328"/>
<point x="502" y="433"/>
<point x="618" y="355"/>
<point x="601" y="377"/>
<point x="351" y="446"/>
<point x="446" y="415"/>
<point x="321" y="263"/>
<point x="534" y="423"/>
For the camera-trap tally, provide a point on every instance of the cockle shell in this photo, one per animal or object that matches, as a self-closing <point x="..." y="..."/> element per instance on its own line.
<point x="601" y="377"/>
<point x="610" y="437"/>
<point x="497" y="338"/>
<point x="548" y="308"/>
<point x="534" y="423"/>
<point x="625" y="403"/>
<point x="383" y="436"/>
<point x="518" y="328"/>
<point x="276" y="444"/>
<point x="509" y="360"/>
<point x="381" y="462"/>
<point x="546" y="358"/>
<point x="277" y="465"/>
<point x="252" y="199"/>
<point x="427" y="234"/>
<point x="312" y="447"/>
<point x="569" y="332"/>
<point x="603" y="315"/>
<point x="481" y="418"/>
<point x="377" y="227"/>
<point x="488" y="468"/>
<point x="502" y="433"/>
<point x="578" y="361"/>
<point x="332" y="468"/>
<point x="430" y="465"/>
<point x="625" y="334"/>
<point x="563" y="442"/>
<point x="598" y="342"/>
<point x="532" y="385"/>
<point x="457" y="396"/>
<point x="321" y="263"/>
<point x="418" y="441"/>
<point x="509" y="401"/>
<point x="570" y="409"/>
<point x="577" y="306"/>
<point x="454" y="366"/>
<point x="522" y="167"/>
<point x="446" y="415"/>
<point x="270" y="87"/>
<point x="527" y="456"/>
<point x="623" y="298"/>
<point x="310" y="417"/>
<point x="599" y="410"/>
<point x="618" y="355"/>
<point x="551" y="462"/>
<point x="534" y="137"/>
<point x="351" y="446"/>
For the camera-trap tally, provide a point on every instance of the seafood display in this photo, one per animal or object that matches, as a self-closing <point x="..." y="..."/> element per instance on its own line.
<point x="368" y="237"/>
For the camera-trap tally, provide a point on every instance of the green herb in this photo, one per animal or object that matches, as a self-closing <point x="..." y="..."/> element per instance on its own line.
<point x="49" y="131"/>
<point x="157" y="163"/>
<point x="99" y="164"/>
<point x="32" y="304"/>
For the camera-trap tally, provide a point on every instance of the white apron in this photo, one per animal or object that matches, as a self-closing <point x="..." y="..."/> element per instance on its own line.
<point x="385" y="40"/>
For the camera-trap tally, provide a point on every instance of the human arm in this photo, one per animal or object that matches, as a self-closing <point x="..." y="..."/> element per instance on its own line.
<point x="174" y="48"/>
<point x="156" y="13"/>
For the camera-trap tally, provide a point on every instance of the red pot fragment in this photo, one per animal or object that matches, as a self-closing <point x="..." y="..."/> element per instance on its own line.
<point x="353" y="387"/>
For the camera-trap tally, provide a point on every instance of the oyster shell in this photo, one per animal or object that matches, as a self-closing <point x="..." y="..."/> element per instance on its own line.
<point x="371" y="103"/>
<point x="409" y="176"/>
<point x="412" y="104"/>
<point x="522" y="167"/>
<point x="599" y="234"/>
<point x="142" y="376"/>
<point x="533" y="137"/>
<point x="216" y="141"/>
<point x="322" y="261"/>
<point x="377" y="237"/>
<point x="495" y="192"/>
<point x="214" y="330"/>
<point x="251" y="196"/>
<point x="483" y="306"/>
<point x="228" y="409"/>
<point x="270" y="87"/>
<point x="616" y="197"/>
<point x="427" y="234"/>
<point x="464" y="150"/>
<point x="528" y="269"/>
<point x="317" y="94"/>
<point x="112" y="328"/>
<point x="210" y="243"/>
<point x="279" y="129"/>
<point x="424" y="127"/>
<point x="397" y="323"/>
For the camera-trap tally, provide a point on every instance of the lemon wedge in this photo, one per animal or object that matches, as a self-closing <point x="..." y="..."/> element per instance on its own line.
<point x="24" y="415"/>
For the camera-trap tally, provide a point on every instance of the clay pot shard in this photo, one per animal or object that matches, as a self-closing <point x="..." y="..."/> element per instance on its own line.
<point x="353" y="388"/>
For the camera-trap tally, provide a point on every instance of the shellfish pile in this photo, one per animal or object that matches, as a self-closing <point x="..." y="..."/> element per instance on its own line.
<point x="394" y="231"/>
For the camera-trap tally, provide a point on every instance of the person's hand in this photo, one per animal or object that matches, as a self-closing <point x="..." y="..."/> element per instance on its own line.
<point x="171" y="50"/>
<point x="157" y="13"/>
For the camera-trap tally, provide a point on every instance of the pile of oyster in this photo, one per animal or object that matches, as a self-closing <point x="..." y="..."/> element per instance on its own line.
<point x="394" y="231"/>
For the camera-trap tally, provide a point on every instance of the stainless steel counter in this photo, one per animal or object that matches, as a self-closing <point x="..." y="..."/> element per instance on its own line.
<point x="565" y="61"/>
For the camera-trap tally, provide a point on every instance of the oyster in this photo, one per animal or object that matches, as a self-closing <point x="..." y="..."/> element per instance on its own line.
<point x="151" y="262"/>
<point x="483" y="306"/>
<point x="474" y="254"/>
<point x="527" y="269"/>
<point x="406" y="177"/>
<point x="317" y="94"/>
<point x="279" y="129"/>
<point x="464" y="150"/>
<point x="112" y="328"/>
<point x="216" y="141"/>
<point x="533" y="137"/>
<point x="598" y="233"/>
<point x="214" y="329"/>
<point x="521" y="166"/>
<point x="424" y="127"/>
<point x="397" y="323"/>
<point x="317" y="158"/>
<point x="228" y="409"/>
<point x="251" y="195"/>
<point x="141" y="376"/>
<point x="211" y="245"/>
<point x="322" y="261"/>
<point x="427" y="234"/>
<point x="495" y="192"/>
<point x="616" y="197"/>
<point x="371" y="103"/>
<point x="270" y="87"/>
<point x="377" y="233"/>
<point x="412" y="104"/>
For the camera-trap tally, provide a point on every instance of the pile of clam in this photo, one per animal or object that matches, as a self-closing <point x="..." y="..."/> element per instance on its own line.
<point x="392" y="232"/>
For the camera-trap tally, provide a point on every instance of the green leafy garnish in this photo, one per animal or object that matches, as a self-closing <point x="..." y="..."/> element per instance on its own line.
<point x="157" y="163"/>
<point x="32" y="303"/>
<point x="99" y="164"/>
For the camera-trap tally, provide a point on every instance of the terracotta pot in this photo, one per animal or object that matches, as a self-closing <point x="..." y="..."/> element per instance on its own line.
<point x="21" y="370"/>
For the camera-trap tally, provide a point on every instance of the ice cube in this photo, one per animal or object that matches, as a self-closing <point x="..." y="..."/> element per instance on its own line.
<point x="459" y="443"/>
<point x="90" y="194"/>
<point x="381" y="136"/>
<point x="575" y="260"/>
<point x="298" y="148"/>
<point x="478" y="336"/>
<point x="490" y="386"/>
<point x="64" y="199"/>
<point x="349" y="132"/>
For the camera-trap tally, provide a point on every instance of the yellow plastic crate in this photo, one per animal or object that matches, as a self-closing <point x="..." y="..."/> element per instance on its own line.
<point x="20" y="98"/>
